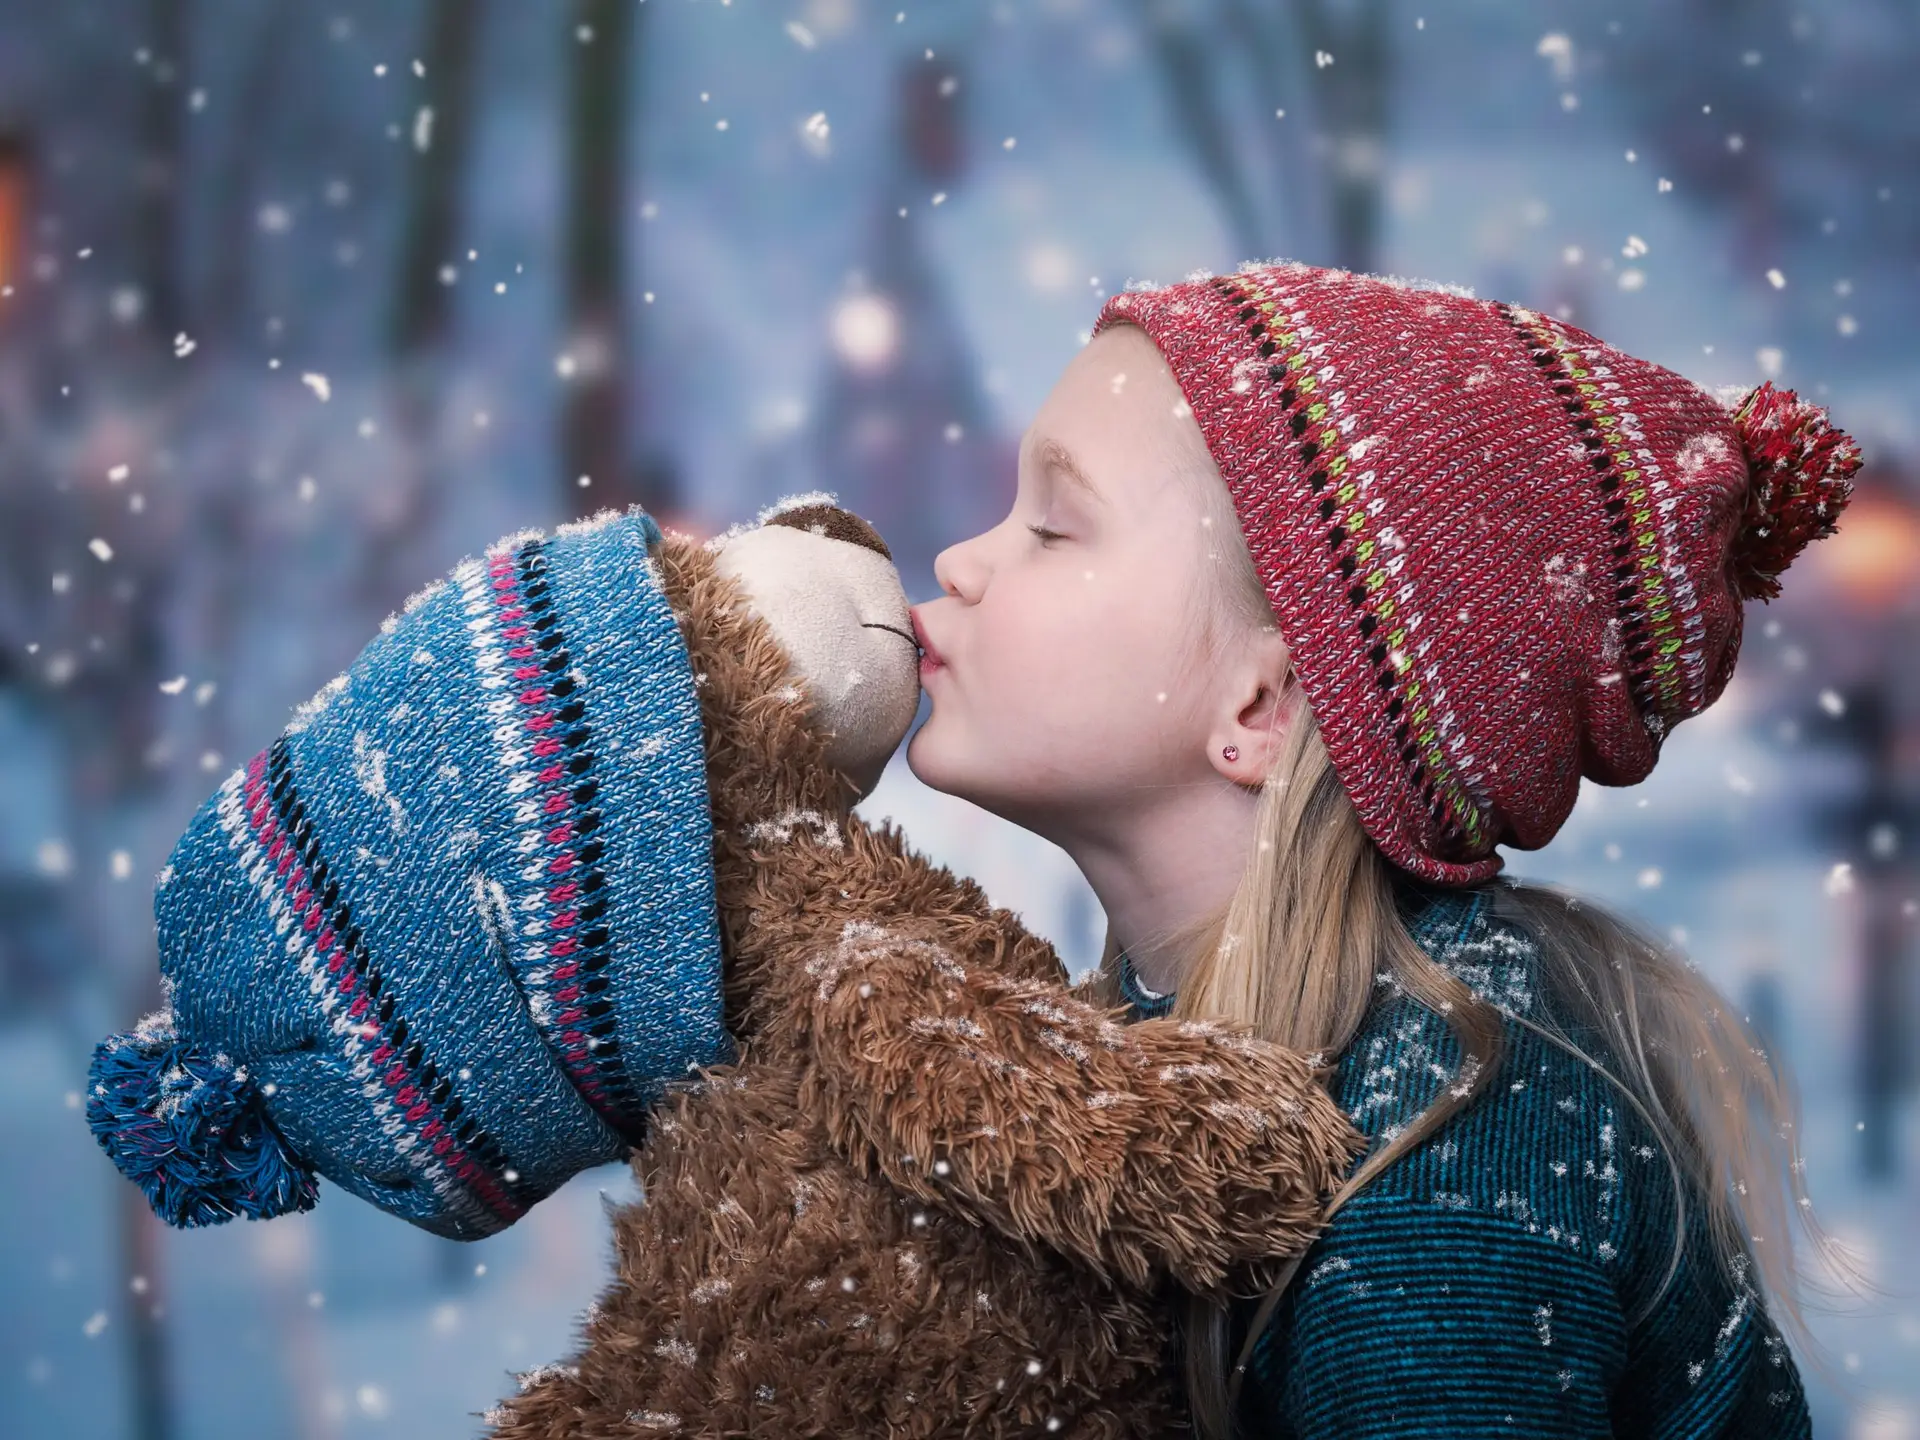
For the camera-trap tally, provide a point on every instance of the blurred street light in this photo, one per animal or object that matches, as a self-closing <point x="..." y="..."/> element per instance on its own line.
<point x="16" y="181"/>
<point x="1872" y="565"/>
<point x="1873" y="556"/>
<point x="866" y="332"/>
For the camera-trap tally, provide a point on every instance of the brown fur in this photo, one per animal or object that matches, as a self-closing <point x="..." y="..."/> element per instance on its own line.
<point x="939" y="1194"/>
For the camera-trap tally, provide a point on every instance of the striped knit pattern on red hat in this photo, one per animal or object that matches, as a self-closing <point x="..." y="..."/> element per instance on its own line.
<point x="1500" y="551"/>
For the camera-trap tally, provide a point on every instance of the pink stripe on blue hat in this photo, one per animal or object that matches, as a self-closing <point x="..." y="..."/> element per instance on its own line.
<point x="449" y="936"/>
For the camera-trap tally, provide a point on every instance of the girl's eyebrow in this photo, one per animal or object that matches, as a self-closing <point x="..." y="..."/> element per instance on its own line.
<point x="1055" y="456"/>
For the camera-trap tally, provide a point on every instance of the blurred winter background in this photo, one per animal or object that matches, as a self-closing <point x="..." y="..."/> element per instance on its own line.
<point x="300" y="303"/>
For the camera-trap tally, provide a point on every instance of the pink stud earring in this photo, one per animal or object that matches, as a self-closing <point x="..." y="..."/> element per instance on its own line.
<point x="1232" y="752"/>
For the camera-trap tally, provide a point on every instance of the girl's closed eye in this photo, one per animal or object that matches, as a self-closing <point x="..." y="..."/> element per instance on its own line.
<point x="1046" y="535"/>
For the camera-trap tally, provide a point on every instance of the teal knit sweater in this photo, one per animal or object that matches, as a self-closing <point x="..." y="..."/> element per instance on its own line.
<point x="1495" y="1280"/>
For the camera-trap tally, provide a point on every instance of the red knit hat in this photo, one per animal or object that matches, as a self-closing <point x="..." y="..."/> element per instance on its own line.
<point x="1503" y="554"/>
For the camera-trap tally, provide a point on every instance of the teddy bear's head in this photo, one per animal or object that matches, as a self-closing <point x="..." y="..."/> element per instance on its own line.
<point x="452" y="933"/>
<point x="823" y="581"/>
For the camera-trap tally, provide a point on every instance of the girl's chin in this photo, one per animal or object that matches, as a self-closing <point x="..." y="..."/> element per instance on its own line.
<point x="917" y="755"/>
<point x="931" y="768"/>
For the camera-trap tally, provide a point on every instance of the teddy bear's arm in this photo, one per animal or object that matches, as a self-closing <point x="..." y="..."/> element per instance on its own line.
<point x="1165" y="1146"/>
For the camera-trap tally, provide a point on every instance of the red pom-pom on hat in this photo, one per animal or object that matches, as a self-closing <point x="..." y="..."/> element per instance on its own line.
<point x="1800" y="467"/>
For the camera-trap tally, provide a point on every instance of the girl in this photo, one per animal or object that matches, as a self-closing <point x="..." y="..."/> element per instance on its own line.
<point x="1316" y="587"/>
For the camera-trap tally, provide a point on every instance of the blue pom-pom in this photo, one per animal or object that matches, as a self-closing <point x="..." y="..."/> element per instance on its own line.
<point x="191" y="1130"/>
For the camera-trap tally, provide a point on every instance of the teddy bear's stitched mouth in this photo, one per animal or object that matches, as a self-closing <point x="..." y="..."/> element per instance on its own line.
<point x="876" y="625"/>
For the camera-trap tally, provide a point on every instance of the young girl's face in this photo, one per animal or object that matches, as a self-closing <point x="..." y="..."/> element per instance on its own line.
<point x="1060" y="662"/>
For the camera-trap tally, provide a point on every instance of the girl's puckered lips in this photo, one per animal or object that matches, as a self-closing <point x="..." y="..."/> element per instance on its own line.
<point x="929" y="657"/>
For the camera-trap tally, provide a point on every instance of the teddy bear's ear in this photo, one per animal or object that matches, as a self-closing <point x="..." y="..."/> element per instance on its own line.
<point x="834" y="523"/>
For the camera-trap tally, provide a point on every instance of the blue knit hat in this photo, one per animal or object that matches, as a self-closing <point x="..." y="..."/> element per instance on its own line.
<point x="446" y="939"/>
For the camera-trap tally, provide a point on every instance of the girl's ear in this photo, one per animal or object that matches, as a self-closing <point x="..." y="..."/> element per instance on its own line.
<point x="1277" y="701"/>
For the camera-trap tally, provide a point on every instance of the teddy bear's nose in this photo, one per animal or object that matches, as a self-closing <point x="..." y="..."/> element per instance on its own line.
<point x="835" y="524"/>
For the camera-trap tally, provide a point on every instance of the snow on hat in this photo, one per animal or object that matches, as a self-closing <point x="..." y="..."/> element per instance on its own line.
<point x="448" y="936"/>
<point x="1503" y="554"/>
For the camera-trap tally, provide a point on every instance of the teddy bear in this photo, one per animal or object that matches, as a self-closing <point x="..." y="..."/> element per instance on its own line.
<point x="939" y="1194"/>
<point x="564" y="870"/>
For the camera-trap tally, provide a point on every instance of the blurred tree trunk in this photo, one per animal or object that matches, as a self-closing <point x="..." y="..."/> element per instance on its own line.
<point x="1328" y="63"/>
<point x="149" y="1388"/>
<point x="593" y="432"/>
<point x="161" y="149"/>
<point x="1352" y="93"/>
<point x="1769" y="128"/>
<point x="1189" y="66"/>
<point x="227" y="299"/>
<point x="117" y="759"/>
<point x="423" y="301"/>
<point x="430" y="238"/>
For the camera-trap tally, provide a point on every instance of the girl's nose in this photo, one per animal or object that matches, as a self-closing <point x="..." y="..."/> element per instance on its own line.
<point x="959" y="569"/>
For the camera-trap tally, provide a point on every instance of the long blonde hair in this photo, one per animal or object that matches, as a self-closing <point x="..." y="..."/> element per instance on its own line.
<point x="1313" y="923"/>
